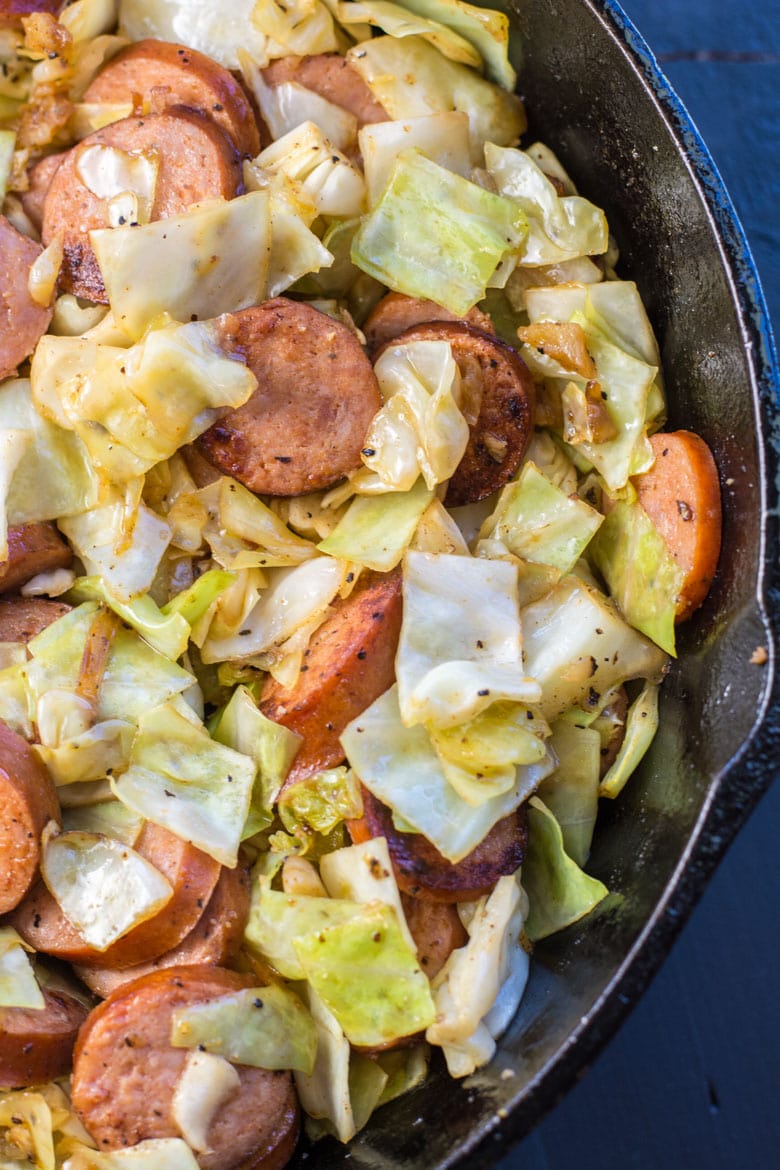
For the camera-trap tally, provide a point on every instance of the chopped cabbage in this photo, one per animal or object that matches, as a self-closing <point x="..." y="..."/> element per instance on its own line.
<point x="92" y="754"/>
<point x="286" y="106"/>
<point x="459" y="649"/>
<point x="265" y="1027"/>
<point x="166" y="633"/>
<point x="466" y="988"/>
<point x="442" y="137"/>
<point x="411" y="78"/>
<point x="45" y="272"/>
<point x="7" y="147"/>
<point x="110" y="818"/>
<point x="103" y="887"/>
<point x="641" y="726"/>
<point x="641" y="573"/>
<point x="434" y="234"/>
<point x="209" y="260"/>
<point x="400" y="767"/>
<point x="559" y="893"/>
<point x="485" y="28"/>
<point x="320" y="802"/>
<point x="321" y="175"/>
<point x="277" y="919"/>
<point x="192" y="602"/>
<point x="376" y="531"/>
<point x="577" y="647"/>
<point x="420" y="430"/>
<point x="13" y="446"/>
<point x="134" y="407"/>
<point x="297" y="27"/>
<point x="479" y="757"/>
<point x="181" y="779"/>
<point x="26" y="1120"/>
<point x="398" y="21"/>
<point x="151" y="1154"/>
<point x="437" y="532"/>
<point x="206" y="1083"/>
<point x="368" y="976"/>
<point x="325" y="1094"/>
<point x="219" y="31"/>
<point x="125" y="181"/>
<point x="18" y="985"/>
<point x="571" y="792"/>
<point x="364" y="873"/>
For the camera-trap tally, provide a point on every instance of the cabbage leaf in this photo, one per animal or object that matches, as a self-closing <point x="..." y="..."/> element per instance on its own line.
<point x="641" y="726"/>
<point x="571" y="792"/>
<point x="375" y="532"/>
<point x="442" y="137"/>
<point x="18" y="985"/>
<point x="559" y="893"/>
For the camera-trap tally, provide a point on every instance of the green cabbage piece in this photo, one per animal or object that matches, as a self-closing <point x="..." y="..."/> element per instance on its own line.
<point x="367" y="975"/>
<point x="405" y="1069"/>
<point x="181" y="779"/>
<point x="209" y="260"/>
<point x="571" y="792"/>
<point x="93" y="754"/>
<point x="539" y="522"/>
<point x="16" y="708"/>
<point x="459" y="649"/>
<point x="364" y="873"/>
<point x="434" y="234"/>
<point x="578" y="647"/>
<point x="325" y="1095"/>
<point x="110" y="818"/>
<point x="319" y="174"/>
<point x="558" y="891"/>
<point x="295" y="251"/>
<point x="30" y="1110"/>
<point x="398" y="21"/>
<point x="641" y="573"/>
<point x="264" y="1027"/>
<point x="54" y="476"/>
<point x="410" y="78"/>
<point x="241" y="725"/>
<point x="276" y="920"/>
<point x="120" y="542"/>
<point x="287" y="105"/>
<point x="375" y="531"/>
<point x="399" y="765"/>
<point x="18" y="985"/>
<point x="218" y="31"/>
<point x="442" y="137"/>
<point x="641" y="726"/>
<point x="485" y="28"/>
<point x="7" y="147"/>
<point x="151" y="1154"/>
<point x="559" y="227"/>
<point x="192" y="603"/>
<point x="166" y="633"/>
<point x="321" y="801"/>
<point x="103" y="887"/>
<point x="134" y="407"/>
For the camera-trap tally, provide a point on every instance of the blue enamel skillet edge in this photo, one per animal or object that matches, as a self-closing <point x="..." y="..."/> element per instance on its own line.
<point x="596" y="95"/>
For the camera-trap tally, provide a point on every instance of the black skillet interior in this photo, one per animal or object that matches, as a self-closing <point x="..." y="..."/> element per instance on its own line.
<point x="595" y="95"/>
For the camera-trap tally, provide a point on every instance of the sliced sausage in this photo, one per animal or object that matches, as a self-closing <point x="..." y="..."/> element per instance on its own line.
<point x="215" y="941"/>
<point x="304" y="427"/>
<point x="681" y="495"/>
<point x="21" y="618"/>
<point x="191" y="78"/>
<point x="396" y="313"/>
<point x="32" y="549"/>
<point x="39" y="175"/>
<point x="421" y="870"/>
<point x="497" y="399"/>
<point x="28" y="801"/>
<point x="436" y="929"/>
<point x="125" y="1073"/>
<point x="22" y="321"/>
<point x="193" y="876"/>
<point x="197" y="162"/>
<point x="12" y="11"/>
<point x="333" y="78"/>
<point x="36" y="1044"/>
<point x="349" y="663"/>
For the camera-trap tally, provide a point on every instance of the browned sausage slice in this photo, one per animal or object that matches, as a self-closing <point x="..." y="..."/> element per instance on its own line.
<point x="28" y="801"/>
<point x="436" y="929"/>
<point x="32" y="549"/>
<point x="396" y="313"/>
<point x="36" y="1045"/>
<point x="125" y="1073"/>
<point x="21" y="618"/>
<point x="304" y="427"/>
<point x="681" y="495"/>
<point x="214" y="942"/>
<point x="197" y="162"/>
<point x="193" y="876"/>
<point x="349" y="663"/>
<point x="498" y="400"/>
<point x="39" y="175"/>
<point x="333" y="78"/>
<point x="22" y="322"/>
<point x="191" y="78"/>
<point x="12" y="11"/>
<point x="421" y="870"/>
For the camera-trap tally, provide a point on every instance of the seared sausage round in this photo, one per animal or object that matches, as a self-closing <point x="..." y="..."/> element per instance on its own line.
<point x="349" y="663"/>
<point x="39" y="176"/>
<point x="436" y="929"/>
<point x="32" y="549"/>
<point x="214" y="941"/>
<point x="396" y="313"/>
<point x="125" y="1073"/>
<point x="36" y="1044"/>
<point x="197" y="162"/>
<point x="498" y="401"/>
<point x="421" y="870"/>
<point x="21" y="618"/>
<point x="333" y="78"/>
<point x="28" y="801"/>
<point x="193" y="875"/>
<point x="22" y="321"/>
<point x="191" y="78"/>
<point x="304" y="427"/>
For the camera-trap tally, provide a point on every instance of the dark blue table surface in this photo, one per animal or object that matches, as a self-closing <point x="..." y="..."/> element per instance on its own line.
<point x="693" y="1077"/>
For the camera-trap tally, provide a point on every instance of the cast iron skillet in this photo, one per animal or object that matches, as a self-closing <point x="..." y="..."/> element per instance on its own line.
<point x="596" y="95"/>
